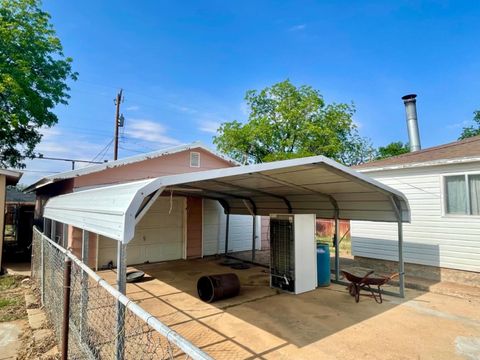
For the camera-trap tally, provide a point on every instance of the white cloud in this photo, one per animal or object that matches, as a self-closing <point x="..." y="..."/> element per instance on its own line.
<point x="209" y="126"/>
<point x="59" y="143"/>
<point x="132" y="108"/>
<point x="183" y="108"/>
<point x="299" y="27"/>
<point x="150" y="131"/>
<point x="459" y="125"/>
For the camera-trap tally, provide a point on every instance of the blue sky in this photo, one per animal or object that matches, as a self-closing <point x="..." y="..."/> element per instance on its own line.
<point x="185" y="66"/>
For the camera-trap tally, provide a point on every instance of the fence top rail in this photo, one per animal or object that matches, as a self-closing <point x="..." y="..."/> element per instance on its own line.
<point x="171" y="335"/>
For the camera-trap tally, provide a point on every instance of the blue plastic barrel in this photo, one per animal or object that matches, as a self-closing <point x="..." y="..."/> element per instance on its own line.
<point x="323" y="264"/>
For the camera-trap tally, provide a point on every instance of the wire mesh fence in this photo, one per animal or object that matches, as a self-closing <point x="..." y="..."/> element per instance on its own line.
<point x="103" y="324"/>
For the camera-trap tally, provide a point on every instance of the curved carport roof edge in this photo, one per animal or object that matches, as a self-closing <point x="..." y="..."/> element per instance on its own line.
<point x="114" y="210"/>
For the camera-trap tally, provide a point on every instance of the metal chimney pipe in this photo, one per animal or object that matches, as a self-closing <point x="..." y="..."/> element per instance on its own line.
<point x="412" y="122"/>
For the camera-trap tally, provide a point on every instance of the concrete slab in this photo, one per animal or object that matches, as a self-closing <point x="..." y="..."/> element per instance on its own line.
<point x="22" y="269"/>
<point x="325" y="323"/>
<point x="10" y="339"/>
<point x="31" y="301"/>
<point x="36" y="318"/>
<point x="42" y="334"/>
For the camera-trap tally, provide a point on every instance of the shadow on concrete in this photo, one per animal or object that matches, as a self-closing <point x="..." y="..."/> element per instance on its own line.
<point x="259" y="322"/>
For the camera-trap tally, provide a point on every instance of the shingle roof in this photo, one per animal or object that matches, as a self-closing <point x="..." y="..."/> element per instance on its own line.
<point x="17" y="196"/>
<point x="467" y="148"/>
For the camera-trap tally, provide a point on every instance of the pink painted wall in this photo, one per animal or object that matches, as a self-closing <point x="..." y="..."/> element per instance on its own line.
<point x="75" y="244"/>
<point x="177" y="163"/>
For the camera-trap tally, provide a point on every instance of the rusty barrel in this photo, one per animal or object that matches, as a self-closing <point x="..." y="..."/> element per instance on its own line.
<point x="216" y="287"/>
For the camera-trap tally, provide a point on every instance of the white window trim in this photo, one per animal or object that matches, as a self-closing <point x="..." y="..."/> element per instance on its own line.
<point x="466" y="174"/>
<point x="198" y="154"/>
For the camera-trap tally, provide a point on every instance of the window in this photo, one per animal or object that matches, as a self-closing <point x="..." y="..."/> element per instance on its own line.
<point x="194" y="159"/>
<point x="462" y="194"/>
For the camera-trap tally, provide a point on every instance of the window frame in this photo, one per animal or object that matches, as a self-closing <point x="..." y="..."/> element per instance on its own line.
<point x="191" y="156"/>
<point x="467" y="188"/>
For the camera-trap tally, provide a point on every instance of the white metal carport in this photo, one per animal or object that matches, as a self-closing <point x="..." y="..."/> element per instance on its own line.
<point x="314" y="185"/>
<point x="303" y="186"/>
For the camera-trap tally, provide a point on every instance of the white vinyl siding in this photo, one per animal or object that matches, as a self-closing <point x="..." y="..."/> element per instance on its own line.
<point x="214" y="224"/>
<point x="433" y="237"/>
<point x="159" y="236"/>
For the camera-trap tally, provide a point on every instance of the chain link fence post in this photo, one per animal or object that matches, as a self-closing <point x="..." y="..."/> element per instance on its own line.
<point x="66" y="306"/>
<point x="42" y="267"/>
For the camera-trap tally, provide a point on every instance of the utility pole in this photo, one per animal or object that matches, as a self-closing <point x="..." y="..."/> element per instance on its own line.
<point x="117" y="101"/>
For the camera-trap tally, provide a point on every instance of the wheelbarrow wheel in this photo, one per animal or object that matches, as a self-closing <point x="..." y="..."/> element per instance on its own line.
<point x="351" y="289"/>
<point x="357" y="293"/>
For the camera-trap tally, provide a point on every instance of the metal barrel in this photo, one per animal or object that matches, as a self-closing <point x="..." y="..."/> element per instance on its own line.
<point x="211" y="288"/>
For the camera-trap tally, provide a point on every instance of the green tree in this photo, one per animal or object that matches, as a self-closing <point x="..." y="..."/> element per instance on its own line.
<point x="286" y="122"/>
<point x="393" y="149"/>
<point x="473" y="130"/>
<point x="33" y="78"/>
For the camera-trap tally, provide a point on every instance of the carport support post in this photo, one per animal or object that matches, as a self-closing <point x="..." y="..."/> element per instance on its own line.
<point x="84" y="295"/>
<point x="253" y="237"/>
<point x="227" y="227"/>
<point x="401" y="265"/>
<point x="53" y="231"/>
<point x="65" y="236"/>
<point x="336" y="236"/>
<point x="122" y="287"/>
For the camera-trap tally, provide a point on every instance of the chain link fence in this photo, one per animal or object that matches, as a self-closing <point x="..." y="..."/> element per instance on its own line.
<point x="103" y="324"/>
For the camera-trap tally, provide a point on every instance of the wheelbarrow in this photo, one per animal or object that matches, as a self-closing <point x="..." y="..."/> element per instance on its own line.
<point x="365" y="283"/>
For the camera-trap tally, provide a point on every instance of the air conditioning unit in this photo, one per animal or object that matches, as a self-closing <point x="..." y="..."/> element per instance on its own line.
<point x="293" y="260"/>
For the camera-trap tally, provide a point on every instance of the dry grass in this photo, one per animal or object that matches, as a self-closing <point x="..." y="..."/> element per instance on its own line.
<point x="12" y="298"/>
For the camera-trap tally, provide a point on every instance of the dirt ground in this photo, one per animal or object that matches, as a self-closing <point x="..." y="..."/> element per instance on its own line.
<point x="325" y="323"/>
<point x="17" y="339"/>
<point x="12" y="299"/>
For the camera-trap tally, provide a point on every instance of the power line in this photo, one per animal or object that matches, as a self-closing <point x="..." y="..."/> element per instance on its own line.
<point x="103" y="151"/>
<point x="73" y="161"/>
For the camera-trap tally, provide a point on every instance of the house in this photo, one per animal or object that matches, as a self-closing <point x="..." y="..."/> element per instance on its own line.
<point x="7" y="177"/>
<point x="442" y="185"/>
<point x="177" y="227"/>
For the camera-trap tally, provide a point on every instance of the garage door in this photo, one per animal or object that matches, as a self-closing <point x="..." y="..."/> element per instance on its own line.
<point x="214" y="222"/>
<point x="159" y="236"/>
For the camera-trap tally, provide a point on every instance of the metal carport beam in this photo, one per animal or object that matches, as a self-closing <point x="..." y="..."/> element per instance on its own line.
<point x="261" y="192"/>
<point x="225" y="195"/>
<point x="300" y="187"/>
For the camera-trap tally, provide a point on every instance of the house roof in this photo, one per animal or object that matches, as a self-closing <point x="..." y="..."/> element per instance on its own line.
<point x="313" y="185"/>
<point x="12" y="176"/>
<point x="125" y="161"/>
<point x="15" y="195"/>
<point x="458" y="151"/>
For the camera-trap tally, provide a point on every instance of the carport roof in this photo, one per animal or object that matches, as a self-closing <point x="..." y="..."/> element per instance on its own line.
<point x="304" y="186"/>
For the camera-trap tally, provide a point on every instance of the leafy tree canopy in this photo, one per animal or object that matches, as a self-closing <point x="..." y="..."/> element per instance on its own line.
<point x="392" y="149"/>
<point x="286" y="122"/>
<point x="33" y="76"/>
<point x="473" y="130"/>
